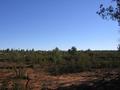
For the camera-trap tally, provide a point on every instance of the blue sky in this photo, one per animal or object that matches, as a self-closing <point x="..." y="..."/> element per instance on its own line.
<point x="46" y="24"/>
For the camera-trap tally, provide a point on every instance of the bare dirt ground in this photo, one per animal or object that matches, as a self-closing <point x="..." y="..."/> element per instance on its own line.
<point x="38" y="79"/>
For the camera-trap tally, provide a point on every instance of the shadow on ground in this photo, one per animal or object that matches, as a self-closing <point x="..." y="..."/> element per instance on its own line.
<point x="102" y="84"/>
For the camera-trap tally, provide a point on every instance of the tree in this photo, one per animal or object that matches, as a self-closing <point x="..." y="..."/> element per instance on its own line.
<point x="7" y="50"/>
<point x="56" y="55"/>
<point x="118" y="47"/>
<point x="56" y="49"/>
<point x="110" y="12"/>
<point x="73" y="50"/>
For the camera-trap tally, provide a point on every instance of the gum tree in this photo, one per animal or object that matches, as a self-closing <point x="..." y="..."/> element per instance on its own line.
<point x="111" y="12"/>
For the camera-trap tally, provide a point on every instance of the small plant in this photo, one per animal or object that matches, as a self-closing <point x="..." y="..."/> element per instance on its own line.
<point x="44" y="86"/>
<point x="19" y="73"/>
<point x="4" y="85"/>
<point x="17" y="86"/>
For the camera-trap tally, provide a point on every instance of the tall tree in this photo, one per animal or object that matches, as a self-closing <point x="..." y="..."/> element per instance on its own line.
<point x="110" y="12"/>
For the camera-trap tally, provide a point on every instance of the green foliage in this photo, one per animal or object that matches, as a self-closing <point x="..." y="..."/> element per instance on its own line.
<point x="73" y="50"/>
<point x="112" y="11"/>
<point x="59" y="62"/>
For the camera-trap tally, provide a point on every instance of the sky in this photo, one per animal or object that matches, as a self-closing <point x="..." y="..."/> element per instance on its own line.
<point x="46" y="24"/>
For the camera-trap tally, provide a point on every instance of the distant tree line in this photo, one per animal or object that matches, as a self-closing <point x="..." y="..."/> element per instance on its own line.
<point x="57" y="61"/>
